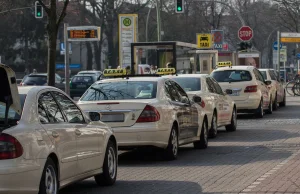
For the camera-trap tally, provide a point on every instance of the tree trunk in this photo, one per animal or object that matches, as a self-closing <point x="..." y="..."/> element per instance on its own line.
<point x="110" y="34"/>
<point x="89" y="56"/>
<point x="52" y="36"/>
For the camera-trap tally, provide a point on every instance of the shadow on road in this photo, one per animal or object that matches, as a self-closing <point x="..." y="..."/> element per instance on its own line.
<point x="134" y="187"/>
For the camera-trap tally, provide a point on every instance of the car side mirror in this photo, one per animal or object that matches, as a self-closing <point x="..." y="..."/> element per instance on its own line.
<point x="197" y="99"/>
<point x="95" y="116"/>
<point x="268" y="82"/>
<point x="185" y="100"/>
<point x="228" y="91"/>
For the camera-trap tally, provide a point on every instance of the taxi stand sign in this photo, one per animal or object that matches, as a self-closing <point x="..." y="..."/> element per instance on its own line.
<point x="225" y="64"/>
<point x="165" y="71"/>
<point x="204" y="41"/>
<point x="114" y="72"/>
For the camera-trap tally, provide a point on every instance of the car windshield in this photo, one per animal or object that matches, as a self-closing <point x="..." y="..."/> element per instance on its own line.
<point x="264" y="73"/>
<point x="83" y="79"/>
<point x="124" y="90"/>
<point x="35" y="80"/>
<point x="189" y="83"/>
<point x="12" y="114"/>
<point x="232" y="76"/>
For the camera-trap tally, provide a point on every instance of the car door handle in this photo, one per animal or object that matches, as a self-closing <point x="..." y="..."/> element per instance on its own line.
<point x="77" y="132"/>
<point x="55" y="134"/>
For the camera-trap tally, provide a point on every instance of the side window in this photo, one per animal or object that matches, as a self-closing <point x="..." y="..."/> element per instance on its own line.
<point x="180" y="91"/>
<point x="71" y="111"/>
<point x="51" y="108"/>
<point x="210" y="86"/>
<point x="43" y="117"/>
<point x="273" y="75"/>
<point x="258" y="75"/>
<point x="174" y="93"/>
<point x="168" y="88"/>
<point x="217" y="87"/>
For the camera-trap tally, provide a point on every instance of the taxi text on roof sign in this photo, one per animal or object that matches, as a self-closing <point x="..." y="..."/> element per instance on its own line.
<point x="165" y="71"/>
<point x="114" y="72"/>
<point x="225" y="64"/>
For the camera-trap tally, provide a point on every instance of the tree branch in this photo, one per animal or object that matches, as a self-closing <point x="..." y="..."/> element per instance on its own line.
<point x="62" y="14"/>
<point x="47" y="10"/>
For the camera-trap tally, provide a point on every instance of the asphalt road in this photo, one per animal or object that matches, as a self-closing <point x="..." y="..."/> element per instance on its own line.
<point x="262" y="156"/>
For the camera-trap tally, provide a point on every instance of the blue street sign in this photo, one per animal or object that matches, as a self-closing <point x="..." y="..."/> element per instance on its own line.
<point x="72" y="66"/>
<point x="275" y="45"/>
<point x="62" y="48"/>
<point x="298" y="55"/>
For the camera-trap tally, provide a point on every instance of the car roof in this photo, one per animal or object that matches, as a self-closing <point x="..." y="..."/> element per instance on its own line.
<point x="89" y="72"/>
<point x="155" y="79"/>
<point x="239" y="67"/>
<point x="38" y="74"/>
<point x="85" y="75"/>
<point x="265" y="69"/>
<point x="193" y="75"/>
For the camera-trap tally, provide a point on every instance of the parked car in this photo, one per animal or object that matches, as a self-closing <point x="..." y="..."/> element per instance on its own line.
<point x="47" y="142"/>
<point x="40" y="79"/>
<point x="80" y="83"/>
<point x="98" y="74"/>
<point x="277" y="88"/>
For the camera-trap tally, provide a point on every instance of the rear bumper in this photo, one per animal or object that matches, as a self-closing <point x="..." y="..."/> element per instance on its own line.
<point x="144" y="134"/>
<point x="249" y="104"/>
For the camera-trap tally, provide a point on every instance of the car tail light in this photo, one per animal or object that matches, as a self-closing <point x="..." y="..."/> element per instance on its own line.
<point x="10" y="147"/>
<point x="250" y="89"/>
<point x="149" y="114"/>
<point x="202" y="104"/>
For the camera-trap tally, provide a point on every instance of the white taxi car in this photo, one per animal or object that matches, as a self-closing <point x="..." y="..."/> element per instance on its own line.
<point x="249" y="88"/>
<point x="277" y="89"/>
<point x="47" y="142"/>
<point x="147" y="111"/>
<point x="219" y="107"/>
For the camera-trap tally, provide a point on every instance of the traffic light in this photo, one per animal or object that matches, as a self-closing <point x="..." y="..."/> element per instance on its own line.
<point x="294" y="52"/>
<point x="242" y="46"/>
<point x="38" y="10"/>
<point x="179" y="6"/>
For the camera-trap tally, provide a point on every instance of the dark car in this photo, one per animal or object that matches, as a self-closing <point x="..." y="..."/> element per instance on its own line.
<point x="40" y="79"/>
<point x="80" y="83"/>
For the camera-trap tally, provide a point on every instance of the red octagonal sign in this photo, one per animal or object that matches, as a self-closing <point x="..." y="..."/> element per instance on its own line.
<point x="245" y="33"/>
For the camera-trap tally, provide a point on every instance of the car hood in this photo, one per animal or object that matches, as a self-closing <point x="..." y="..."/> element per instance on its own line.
<point x="9" y="88"/>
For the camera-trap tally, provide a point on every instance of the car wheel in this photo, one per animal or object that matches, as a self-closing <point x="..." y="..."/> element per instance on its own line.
<point x="270" y="109"/>
<point x="275" y="103"/>
<point x="214" y="126"/>
<point x="203" y="143"/>
<point x="172" y="149"/>
<point x="49" y="181"/>
<point x="110" y="166"/>
<point x="233" y="125"/>
<point x="283" y="103"/>
<point x="260" y="110"/>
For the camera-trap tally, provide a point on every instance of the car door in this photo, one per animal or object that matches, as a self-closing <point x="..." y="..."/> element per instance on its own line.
<point x="279" y="86"/>
<point x="61" y="134"/>
<point x="88" y="138"/>
<point x="262" y="87"/>
<point x="190" y="112"/>
<point x="223" y="107"/>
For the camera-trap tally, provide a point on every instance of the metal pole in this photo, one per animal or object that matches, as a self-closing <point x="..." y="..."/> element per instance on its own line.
<point x="278" y="51"/>
<point x="67" y="67"/>
<point x="147" y="23"/>
<point x="284" y="72"/>
<point x="158" y="21"/>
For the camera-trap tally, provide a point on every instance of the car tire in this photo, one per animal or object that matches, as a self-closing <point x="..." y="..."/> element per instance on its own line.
<point x="283" y="103"/>
<point x="270" y="109"/>
<point x="49" y="182"/>
<point x="172" y="149"/>
<point x="203" y="143"/>
<point x="260" y="110"/>
<point x="110" y="166"/>
<point x="275" y="103"/>
<point x="214" y="126"/>
<point x="233" y="125"/>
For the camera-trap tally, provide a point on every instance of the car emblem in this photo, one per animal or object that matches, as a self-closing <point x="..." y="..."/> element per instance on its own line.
<point x="108" y="107"/>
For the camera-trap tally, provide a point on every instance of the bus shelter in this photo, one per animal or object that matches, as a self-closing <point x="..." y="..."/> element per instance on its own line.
<point x="204" y="61"/>
<point x="162" y="54"/>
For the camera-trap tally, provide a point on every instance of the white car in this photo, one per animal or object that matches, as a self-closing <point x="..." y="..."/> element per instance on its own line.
<point x="98" y="74"/>
<point x="47" y="142"/>
<point x="277" y="89"/>
<point x="147" y="111"/>
<point x="219" y="107"/>
<point x="249" y="88"/>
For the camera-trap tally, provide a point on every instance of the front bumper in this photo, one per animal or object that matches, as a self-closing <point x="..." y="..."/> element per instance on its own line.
<point x="144" y="134"/>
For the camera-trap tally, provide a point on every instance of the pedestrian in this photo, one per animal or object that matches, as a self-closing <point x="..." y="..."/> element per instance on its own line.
<point x="152" y="70"/>
<point x="34" y="71"/>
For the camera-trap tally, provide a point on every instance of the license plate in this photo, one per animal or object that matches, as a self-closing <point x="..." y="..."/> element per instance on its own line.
<point x="112" y="118"/>
<point x="235" y="93"/>
<point x="81" y="86"/>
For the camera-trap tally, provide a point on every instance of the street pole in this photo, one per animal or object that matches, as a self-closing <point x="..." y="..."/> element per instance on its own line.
<point x="158" y="21"/>
<point x="67" y="67"/>
<point x="278" y="51"/>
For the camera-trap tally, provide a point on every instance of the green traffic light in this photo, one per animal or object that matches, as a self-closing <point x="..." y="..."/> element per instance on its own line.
<point x="179" y="8"/>
<point x="39" y="14"/>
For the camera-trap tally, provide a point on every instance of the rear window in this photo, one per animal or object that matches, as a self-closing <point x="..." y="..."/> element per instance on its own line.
<point x="83" y="79"/>
<point x="125" y="90"/>
<point x="189" y="83"/>
<point x="264" y="73"/>
<point x="12" y="114"/>
<point x="36" y="80"/>
<point x="232" y="76"/>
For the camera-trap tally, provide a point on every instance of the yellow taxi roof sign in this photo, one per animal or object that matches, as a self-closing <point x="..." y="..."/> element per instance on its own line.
<point x="165" y="71"/>
<point x="225" y="64"/>
<point x="114" y="72"/>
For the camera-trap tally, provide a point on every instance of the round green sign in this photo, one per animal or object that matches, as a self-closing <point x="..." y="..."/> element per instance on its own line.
<point x="127" y="22"/>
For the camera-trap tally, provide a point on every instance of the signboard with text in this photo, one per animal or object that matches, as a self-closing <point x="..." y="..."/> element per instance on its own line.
<point x="218" y="36"/>
<point x="204" y="41"/>
<point x="245" y="33"/>
<point x="128" y="31"/>
<point x="84" y="33"/>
